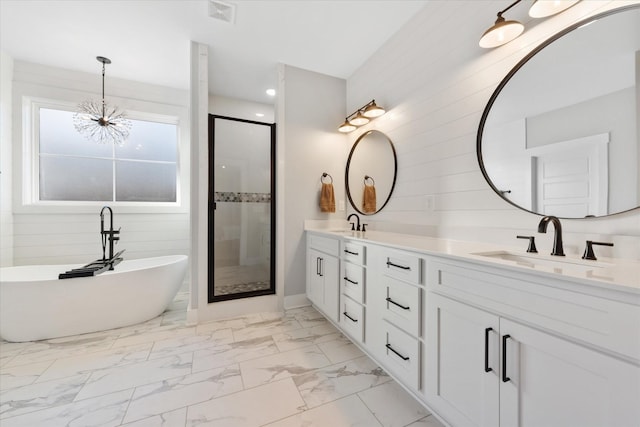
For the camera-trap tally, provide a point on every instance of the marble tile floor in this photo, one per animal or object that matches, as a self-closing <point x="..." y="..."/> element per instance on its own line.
<point x="269" y="369"/>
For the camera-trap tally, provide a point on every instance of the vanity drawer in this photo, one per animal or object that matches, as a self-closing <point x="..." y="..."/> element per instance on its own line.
<point x="402" y="265"/>
<point x="403" y="305"/>
<point x="401" y="355"/>
<point x="352" y="318"/>
<point x="324" y="244"/>
<point x="353" y="252"/>
<point x="353" y="281"/>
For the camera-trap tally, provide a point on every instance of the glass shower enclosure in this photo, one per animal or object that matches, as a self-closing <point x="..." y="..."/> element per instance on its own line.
<point x="241" y="213"/>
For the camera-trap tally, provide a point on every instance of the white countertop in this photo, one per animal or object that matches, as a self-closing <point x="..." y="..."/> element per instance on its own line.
<point x="609" y="273"/>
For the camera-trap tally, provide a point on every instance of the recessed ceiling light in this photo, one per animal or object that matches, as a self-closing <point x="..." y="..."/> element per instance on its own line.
<point x="271" y="92"/>
<point x="260" y="114"/>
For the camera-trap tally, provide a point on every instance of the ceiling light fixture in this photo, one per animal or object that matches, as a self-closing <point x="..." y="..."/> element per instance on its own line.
<point x="504" y="31"/>
<point x="271" y="92"/>
<point x="361" y="116"/>
<point x="100" y="122"/>
<point x="544" y="8"/>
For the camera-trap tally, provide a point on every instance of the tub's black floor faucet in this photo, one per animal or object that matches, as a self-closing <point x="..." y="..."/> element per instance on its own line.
<point x="110" y="236"/>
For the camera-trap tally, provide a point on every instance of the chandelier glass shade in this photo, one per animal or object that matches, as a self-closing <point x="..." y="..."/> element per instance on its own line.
<point x="100" y="122"/>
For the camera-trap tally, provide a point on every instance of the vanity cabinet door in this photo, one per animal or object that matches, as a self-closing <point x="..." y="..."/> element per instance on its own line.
<point x="323" y="283"/>
<point x="462" y="363"/>
<point x="555" y="382"/>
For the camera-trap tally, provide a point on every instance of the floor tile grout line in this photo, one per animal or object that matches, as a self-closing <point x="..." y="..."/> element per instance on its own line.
<point x="367" y="406"/>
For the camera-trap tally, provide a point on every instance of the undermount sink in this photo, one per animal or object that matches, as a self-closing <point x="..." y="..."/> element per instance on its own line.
<point x="341" y="231"/>
<point x="540" y="261"/>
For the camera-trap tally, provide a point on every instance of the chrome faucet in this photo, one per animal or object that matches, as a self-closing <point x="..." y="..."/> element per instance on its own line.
<point x="353" y="228"/>
<point x="108" y="235"/>
<point x="557" y="235"/>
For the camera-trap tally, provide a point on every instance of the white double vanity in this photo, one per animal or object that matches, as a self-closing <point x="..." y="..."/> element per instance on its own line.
<point x="483" y="336"/>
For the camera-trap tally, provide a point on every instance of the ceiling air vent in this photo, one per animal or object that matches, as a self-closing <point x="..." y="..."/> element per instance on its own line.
<point x="222" y="11"/>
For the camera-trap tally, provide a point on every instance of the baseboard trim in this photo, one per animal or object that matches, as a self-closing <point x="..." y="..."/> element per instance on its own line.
<point x="295" y="301"/>
<point x="192" y="317"/>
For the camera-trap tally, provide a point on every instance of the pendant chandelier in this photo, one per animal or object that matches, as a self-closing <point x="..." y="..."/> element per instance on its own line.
<point x="97" y="121"/>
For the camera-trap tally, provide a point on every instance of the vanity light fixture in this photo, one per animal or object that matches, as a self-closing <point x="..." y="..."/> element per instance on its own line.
<point x="361" y="116"/>
<point x="346" y="127"/>
<point x="359" y="119"/>
<point x="544" y="8"/>
<point x="372" y="110"/>
<point x="504" y="31"/>
<point x="100" y="122"/>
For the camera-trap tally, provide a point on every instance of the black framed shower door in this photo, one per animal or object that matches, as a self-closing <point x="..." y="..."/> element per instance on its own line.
<point x="241" y="212"/>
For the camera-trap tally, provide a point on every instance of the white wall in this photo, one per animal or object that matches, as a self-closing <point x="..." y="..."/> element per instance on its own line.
<point x="6" y="213"/>
<point x="54" y="235"/>
<point x="314" y="106"/>
<point x="435" y="81"/>
<point x="241" y="109"/>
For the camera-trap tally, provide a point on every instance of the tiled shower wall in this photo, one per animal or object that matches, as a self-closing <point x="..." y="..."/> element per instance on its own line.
<point x="435" y="82"/>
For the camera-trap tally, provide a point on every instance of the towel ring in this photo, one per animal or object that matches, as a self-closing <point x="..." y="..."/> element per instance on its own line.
<point x="366" y="177"/>
<point x="324" y="175"/>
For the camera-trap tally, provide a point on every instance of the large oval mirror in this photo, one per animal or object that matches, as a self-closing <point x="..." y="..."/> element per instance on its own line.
<point x="371" y="172"/>
<point x="560" y="134"/>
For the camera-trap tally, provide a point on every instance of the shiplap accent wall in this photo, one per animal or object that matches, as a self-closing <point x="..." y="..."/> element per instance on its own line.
<point x="6" y="213"/>
<point x="71" y="235"/>
<point x="435" y="82"/>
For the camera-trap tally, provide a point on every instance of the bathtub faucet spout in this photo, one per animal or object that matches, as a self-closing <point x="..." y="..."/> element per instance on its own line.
<point x="111" y="236"/>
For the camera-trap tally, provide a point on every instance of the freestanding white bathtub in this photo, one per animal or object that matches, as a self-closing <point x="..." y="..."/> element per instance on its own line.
<point x="36" y="305"/>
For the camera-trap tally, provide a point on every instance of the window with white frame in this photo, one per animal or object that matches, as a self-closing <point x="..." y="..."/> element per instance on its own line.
<point x="72" y="169"/>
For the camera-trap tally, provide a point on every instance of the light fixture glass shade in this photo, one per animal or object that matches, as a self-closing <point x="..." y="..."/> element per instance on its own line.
<point x="346" y="127"/>
<point x="100" y="122"/>
<point x="359" y="120"/>
<point x="373" y="110"/>
<point x="500" y="33"/>
<point x="544" y="8"/>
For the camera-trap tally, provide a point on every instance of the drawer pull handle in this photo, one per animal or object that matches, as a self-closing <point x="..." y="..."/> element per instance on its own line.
<point x="399" y="305"/>
<point x="505" y="378"/>
<point x="486" y="350"/>
<point x="396" y="353"/>
<point x="404" y="267"/>
<point x="350" y="318"/>
<point x="350" y="281"/>
<point x="347" y="251"/>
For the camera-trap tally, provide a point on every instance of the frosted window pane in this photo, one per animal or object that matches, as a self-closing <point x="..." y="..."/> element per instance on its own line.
<point x="58" y="136"/>
<point x="145" y="182"/>
<point x="150" y="141"/>
<point x="75" y="179"/>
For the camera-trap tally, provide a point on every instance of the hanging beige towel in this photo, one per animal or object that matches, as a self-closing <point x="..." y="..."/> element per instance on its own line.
<point x="369" y="199"/>
<point x="327" y="199"/>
